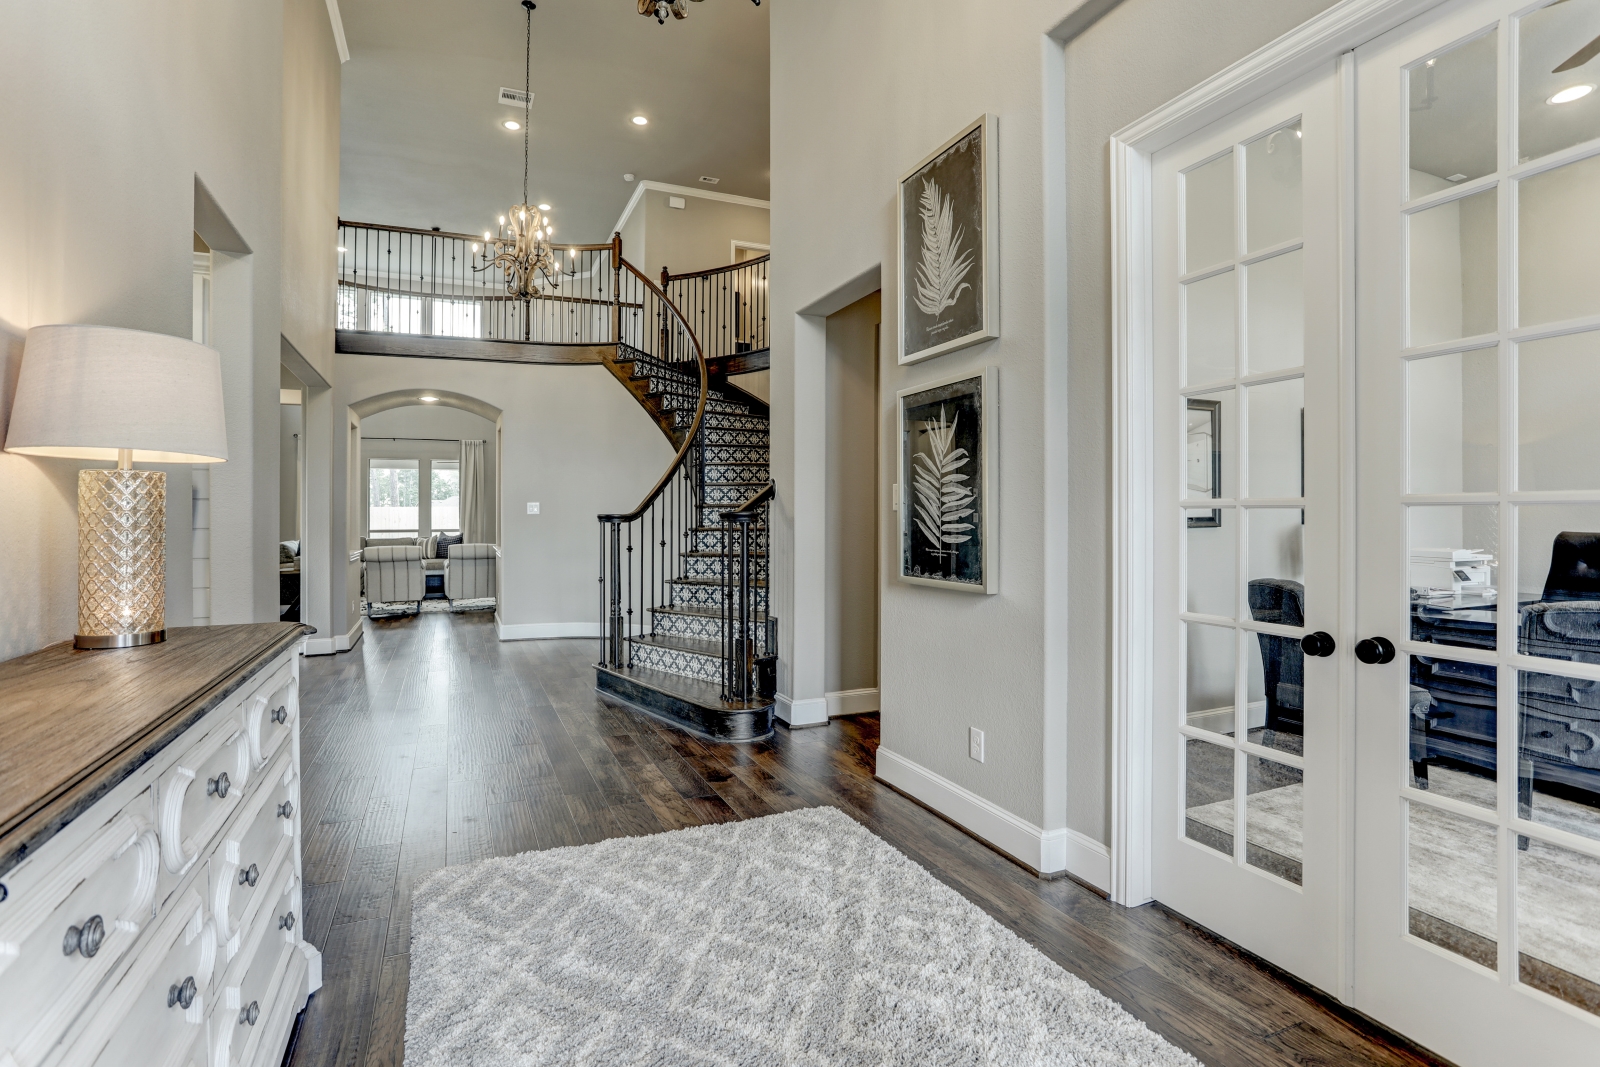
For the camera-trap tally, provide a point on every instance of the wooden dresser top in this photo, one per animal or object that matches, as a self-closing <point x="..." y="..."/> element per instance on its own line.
<point x="75" y="723"/>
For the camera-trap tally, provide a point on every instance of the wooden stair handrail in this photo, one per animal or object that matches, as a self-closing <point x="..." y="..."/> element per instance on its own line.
<point x="715" y="270"/>
<point x="700" y="406"/>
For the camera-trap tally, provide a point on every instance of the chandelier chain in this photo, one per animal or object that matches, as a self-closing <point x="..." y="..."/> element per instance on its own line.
<point x="527" y="98"/>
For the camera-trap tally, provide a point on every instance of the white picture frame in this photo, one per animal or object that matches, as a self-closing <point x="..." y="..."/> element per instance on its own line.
<point x="949" y="275"/>
<point x="972" y="564"/>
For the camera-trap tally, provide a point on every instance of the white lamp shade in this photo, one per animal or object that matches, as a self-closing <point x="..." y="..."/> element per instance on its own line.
<point x="86" y="391"/>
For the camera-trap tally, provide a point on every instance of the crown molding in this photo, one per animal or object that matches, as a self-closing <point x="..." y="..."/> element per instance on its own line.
<point x="338" y="31"/>
<point x="683" y="190"/>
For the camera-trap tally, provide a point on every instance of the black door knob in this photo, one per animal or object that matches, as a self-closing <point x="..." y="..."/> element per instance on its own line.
<point x="1318" y="644"/>
<point x="1375" y="650"/>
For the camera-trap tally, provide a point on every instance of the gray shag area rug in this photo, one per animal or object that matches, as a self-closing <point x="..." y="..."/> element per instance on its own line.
<point x="799" y="938"/>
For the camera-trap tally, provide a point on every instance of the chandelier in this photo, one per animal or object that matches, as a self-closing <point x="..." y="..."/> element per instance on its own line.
<point x="662" y="8"/>
<point x="521" y="249"/>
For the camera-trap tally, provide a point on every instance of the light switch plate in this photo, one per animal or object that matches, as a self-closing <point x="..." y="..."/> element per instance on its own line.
<point x="533" y="507"/>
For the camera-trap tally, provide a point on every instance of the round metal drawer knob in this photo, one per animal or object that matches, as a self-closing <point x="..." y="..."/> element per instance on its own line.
<point x="286" y="922"/>
<point x="250" y="876"/>
<point x="85" y="939"/>
<point x="250" y="1013"/>
<point x="182" y="995"/>
<point x="218" y="786"/>
<point x="285" y="810"/>
<point x="280" y="714"/>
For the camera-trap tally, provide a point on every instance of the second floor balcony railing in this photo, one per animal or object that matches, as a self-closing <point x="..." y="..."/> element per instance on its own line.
<point x="434" y="284"/>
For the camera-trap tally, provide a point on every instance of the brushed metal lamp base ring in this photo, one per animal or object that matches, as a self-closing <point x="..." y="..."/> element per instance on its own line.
<point x="118" y="640"/>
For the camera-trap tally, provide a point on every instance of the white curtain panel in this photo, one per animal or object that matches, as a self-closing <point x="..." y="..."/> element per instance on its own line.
<point x="474" y="510"/>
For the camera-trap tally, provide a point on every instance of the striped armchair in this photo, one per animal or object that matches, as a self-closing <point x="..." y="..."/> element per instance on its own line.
<point x="470" y="575"/>
<point x="393" y="573"/>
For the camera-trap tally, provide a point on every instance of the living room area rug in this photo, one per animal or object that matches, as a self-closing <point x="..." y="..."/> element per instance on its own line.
<point x="795" y="939"/>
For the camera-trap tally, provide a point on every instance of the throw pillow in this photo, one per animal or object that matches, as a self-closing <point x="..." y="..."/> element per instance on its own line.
<point x="445" y="541"/>
<point x="431" y="550"/>
<point x="285" y="552"/>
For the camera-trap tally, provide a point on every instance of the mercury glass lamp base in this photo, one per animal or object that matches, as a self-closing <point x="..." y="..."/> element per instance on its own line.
<point x="122" y="526"/>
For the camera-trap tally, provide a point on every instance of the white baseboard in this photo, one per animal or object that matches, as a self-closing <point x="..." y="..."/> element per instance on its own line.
<point x="327" y="646"/>
<point x="851" y="702"/>
<point x="811" y="712"/>
<point x="1046" y="851"/>
<point x="541" y="631"/>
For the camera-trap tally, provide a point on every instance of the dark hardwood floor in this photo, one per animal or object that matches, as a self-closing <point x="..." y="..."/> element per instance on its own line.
<point x="432" y="743"/>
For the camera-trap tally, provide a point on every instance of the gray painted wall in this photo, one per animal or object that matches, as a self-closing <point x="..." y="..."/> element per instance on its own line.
<point x="111" y="114"/>
<point x="694" y="237"/>
<point x="852" y="554"/>
<point x="1029" y="665"/>
<point x="573" y="439"/>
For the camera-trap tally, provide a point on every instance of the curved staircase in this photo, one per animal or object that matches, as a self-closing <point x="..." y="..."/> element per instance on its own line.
<point x="686" y="631"/>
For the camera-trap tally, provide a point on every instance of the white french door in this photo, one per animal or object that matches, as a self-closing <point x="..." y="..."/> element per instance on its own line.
<point x="1246" y="273"/>
<point x="1477" y="891"/>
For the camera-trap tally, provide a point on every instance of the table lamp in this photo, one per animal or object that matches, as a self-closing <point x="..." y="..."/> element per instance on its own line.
<point x="96" y="392"/>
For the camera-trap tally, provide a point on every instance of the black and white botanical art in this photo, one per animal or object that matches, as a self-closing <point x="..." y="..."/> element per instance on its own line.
<point x="942" y="266"/>
<point x="942" y="535"/>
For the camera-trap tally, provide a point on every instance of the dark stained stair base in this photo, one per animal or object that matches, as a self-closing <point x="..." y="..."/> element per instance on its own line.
<point x="690" y="705"/>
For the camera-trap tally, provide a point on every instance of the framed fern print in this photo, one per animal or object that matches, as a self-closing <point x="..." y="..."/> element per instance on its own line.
<point x="950" y="246"/>
<point x="948" y="487"/>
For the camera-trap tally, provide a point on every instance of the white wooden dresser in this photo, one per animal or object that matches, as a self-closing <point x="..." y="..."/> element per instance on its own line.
<point x="150" y="902"/>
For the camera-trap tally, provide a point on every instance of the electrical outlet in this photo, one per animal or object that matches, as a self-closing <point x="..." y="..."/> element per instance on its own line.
<point x="533" y="507"/>
<point x="975" y="743"/>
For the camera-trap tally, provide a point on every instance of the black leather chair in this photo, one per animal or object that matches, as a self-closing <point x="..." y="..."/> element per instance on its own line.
<point x="1453" y="713"/>
<point x="1281" y="601"/>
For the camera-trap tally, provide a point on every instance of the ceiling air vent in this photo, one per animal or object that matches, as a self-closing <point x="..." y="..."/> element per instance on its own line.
<point x="515" y="97"/>
<point x="709" y="180"/>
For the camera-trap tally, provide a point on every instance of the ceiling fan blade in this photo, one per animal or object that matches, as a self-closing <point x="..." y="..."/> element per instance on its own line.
<point x="1580" y="57"/>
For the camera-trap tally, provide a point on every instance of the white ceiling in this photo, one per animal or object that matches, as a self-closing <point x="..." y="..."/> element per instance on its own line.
<point x="421" y="140"/>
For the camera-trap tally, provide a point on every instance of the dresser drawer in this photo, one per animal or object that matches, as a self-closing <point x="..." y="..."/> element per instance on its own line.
<point x="156" y="1011"/>
<point x="64" y="928"/>
<point x="270" y="716"/>
<point x="248" y="999"/>
<point x="251" y="849"/>
<point x="199" y="793"/>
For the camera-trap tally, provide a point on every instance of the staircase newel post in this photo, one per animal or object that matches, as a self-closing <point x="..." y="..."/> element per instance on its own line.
<point x="742" y="660"/>
<point x="615" y="616"/>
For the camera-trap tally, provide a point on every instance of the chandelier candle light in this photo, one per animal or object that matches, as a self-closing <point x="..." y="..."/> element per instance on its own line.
<point x="522" y="249"/>
<point x="100" y="393"/>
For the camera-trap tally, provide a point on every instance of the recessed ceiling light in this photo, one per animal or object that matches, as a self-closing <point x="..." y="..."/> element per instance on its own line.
<point x="428" y="399"/>
<point x="512" y="124"/>
<point x="627" y="177"/>
<point x="1571" y="93"/>
<point x="640" y="120"/>
<point x="544" y="207"/>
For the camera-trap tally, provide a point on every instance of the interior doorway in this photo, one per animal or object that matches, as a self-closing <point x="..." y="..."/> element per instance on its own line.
<point x="851" y="560"/>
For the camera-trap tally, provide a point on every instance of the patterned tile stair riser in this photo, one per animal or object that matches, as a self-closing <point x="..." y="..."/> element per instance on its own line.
<point x="687" y="631"/>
